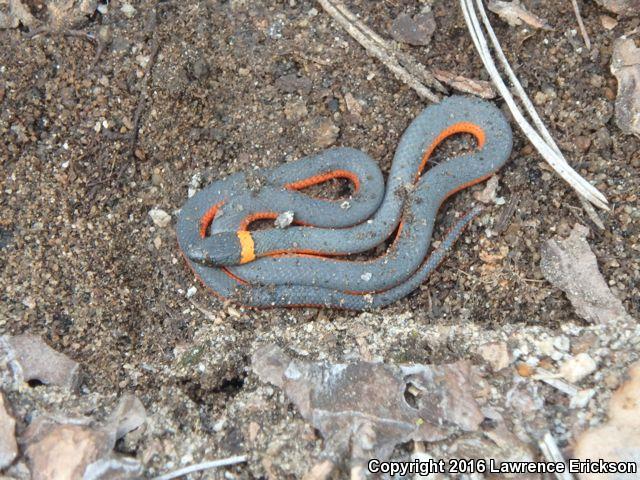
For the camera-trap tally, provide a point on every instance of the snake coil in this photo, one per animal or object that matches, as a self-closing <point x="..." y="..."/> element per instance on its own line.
<point x="300" y="265"/>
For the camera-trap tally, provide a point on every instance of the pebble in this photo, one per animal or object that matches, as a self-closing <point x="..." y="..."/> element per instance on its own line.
<point x="608" y="22"/>
<point x="583" y="143"/>
<point x="416" y="31"/>
<point x="619" y="439"/>
<point x="160" y="218"/>
<point x="295" y="110"/>
<point x="325" y="133"/>
<point x="195" y="184"/>
<point x="128" y="10"/>
<point x="562" y="343"/>
<point x="284" y="219"/>
<point x="495" y="354"/>
<point x="38" y="361"/>
<point x="191" y="291"/>
<point x="8" y="445"/>
<point x="63" y="451"/>
<point x="292" y="83"/>
<point x="578" y="367"/>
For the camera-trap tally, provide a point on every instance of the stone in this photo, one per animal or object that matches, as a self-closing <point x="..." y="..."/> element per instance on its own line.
<point x="160" y="218"/>
<point x="618" y="440"/>
<point x="65" y="451"/>
<point x="495" y="354"/>
<point x="325" y="133"/>
<point x="416" y="31"/>
<point x="577" y="368"/>
<point x="8" y="445"/>
<point x="35" y="360"/>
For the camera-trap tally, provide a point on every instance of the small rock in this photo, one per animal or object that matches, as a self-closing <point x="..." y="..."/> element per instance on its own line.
<point x="544" y="346"/>
<point x="582" y="398"/>
<point x="284" y="219"/>
<point x="35" y="360"/>
<point x="64" y="451"/>
<point x="495" y="354"/>
<point x="562" y="343"/>
<point x="195" y="184"/>
<point x="577" y="368"/>
<point x="619" y="439"/>
<point x="325" y="133"/>
<point x="292" y="83"/>
<point x="296" y="110"/>
<point x="353" y="105"/>
<point x="621" y="7"/>
<point x="625" y="65"/>
<point x="8" y="445"/>
<point x="191" y="291"/>
<point x="129" y="415"/>
<point x="583" y="143"/>
<point x="525" y="370"/>
<point x="608" y="22"/>
<point x="160" y="218"/>
<point x="128" y="10"/>
<point x="415" y="31"/>
<point x="200" y="69"/>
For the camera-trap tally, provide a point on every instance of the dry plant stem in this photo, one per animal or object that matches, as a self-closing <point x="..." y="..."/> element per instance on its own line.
<point x="203" y="466"/>
<point x="407" y="61"/>
<point x="583" y="31"/>
<point x="551" y="452"/>
<point x="374" y="49"/>
<point x="541" y="139"/>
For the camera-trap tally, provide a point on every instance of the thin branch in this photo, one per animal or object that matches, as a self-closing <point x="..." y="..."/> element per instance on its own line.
<point x="376" y="47"/>
<point x="583" y="30"/>
<point x="411" y="64"/>
<point x="540" y="138"/>
<point x="552" y="453"/>
<point x="203" y="466"/>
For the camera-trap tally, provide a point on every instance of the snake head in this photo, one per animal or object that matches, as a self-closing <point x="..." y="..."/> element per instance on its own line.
<point x="217" y="250"/>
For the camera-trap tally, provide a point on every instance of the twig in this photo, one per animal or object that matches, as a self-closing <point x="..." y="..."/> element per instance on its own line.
<point x="583" y="30"/>
<point x="203" y="466"/>
<point x="540" y="138"/>
<point x="552" y="453"/>
<point x="505" y="217"/>
<point x="376" y="47"/>
<point x="155" y="48"/>
<point x="407" y="61"/>
<point x="555" y="381"/>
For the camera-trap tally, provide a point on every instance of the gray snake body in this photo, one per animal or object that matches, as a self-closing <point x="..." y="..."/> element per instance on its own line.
<point x="301" y="264"/>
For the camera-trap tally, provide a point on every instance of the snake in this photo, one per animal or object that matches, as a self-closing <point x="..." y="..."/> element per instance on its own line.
<point x="317" y="259"/>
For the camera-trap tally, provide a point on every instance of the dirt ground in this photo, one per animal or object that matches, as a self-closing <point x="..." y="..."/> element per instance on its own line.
<point x="83" y="265"/>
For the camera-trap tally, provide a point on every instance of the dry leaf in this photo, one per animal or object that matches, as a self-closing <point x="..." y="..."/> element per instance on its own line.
<point x="571" y="266"/>
<point x="480" y="88"/>
<point x="515" y="14"/>
<point x="625" y="65"/>
<point x="360" y="408"/>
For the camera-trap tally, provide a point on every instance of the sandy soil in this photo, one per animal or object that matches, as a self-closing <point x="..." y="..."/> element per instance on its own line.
<point x="83" y="265"/>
